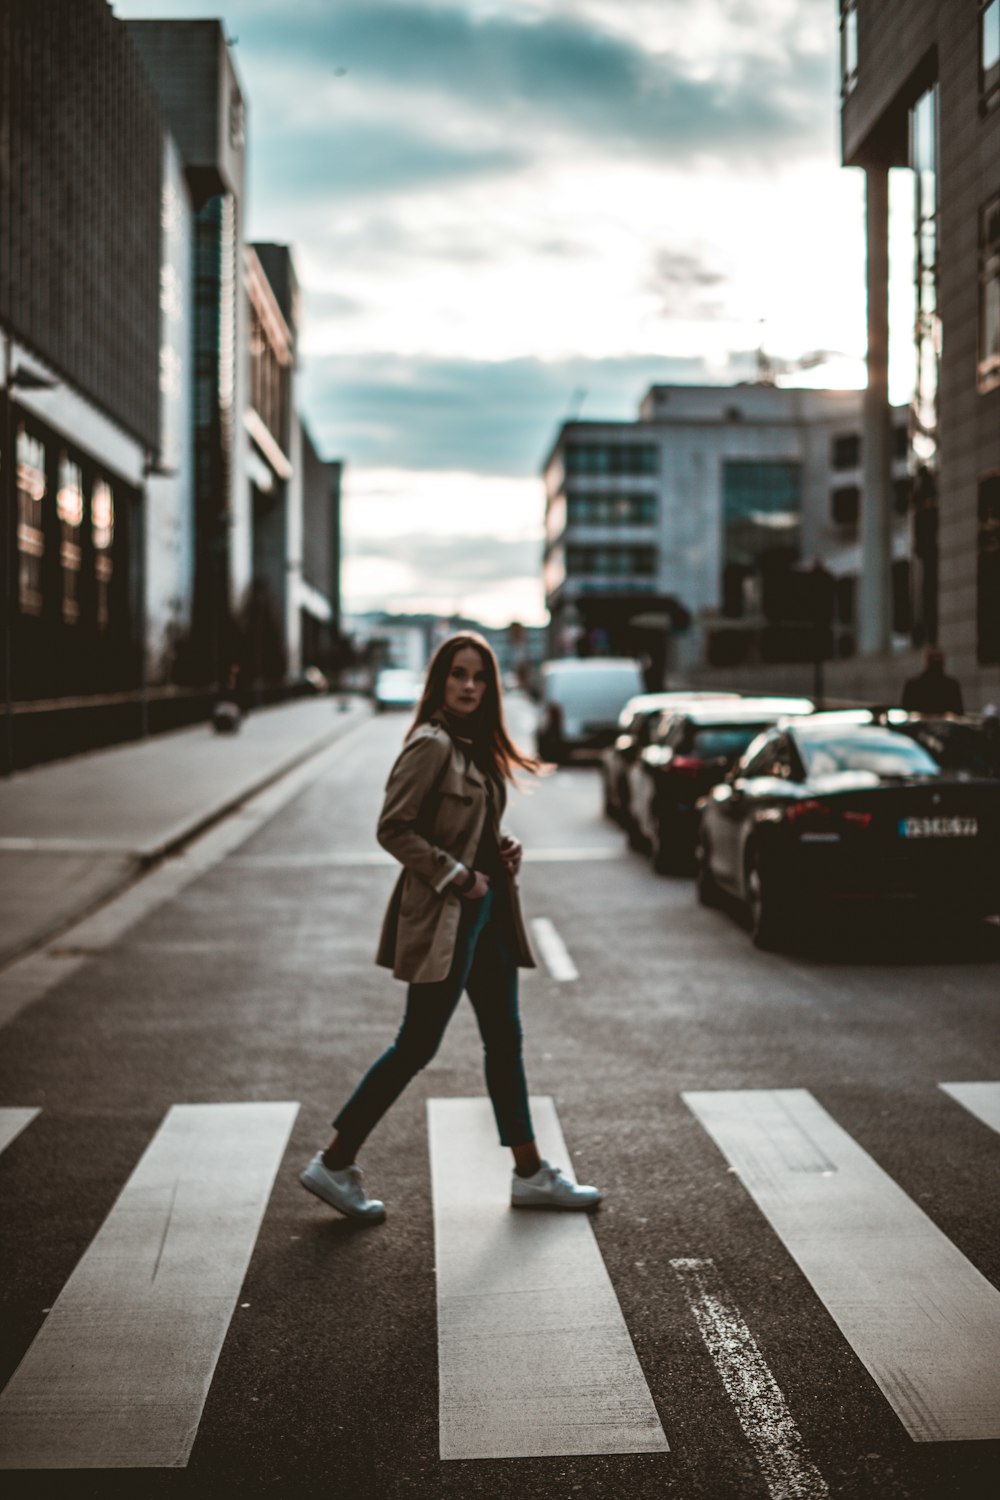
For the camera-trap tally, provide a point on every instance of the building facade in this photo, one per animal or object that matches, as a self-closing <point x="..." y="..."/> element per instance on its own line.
<point x="157" y="519"/>
<point x="203" y="105"/>
<point x="921" y="90"/>
<point x="667" y="536"/>
<point x="79" y="315"/>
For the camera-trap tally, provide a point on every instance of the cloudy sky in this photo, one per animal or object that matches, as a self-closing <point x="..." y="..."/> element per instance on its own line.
<point x="508" y="211"/>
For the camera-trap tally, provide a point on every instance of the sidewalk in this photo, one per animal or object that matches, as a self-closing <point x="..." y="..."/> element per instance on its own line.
<point x="74" y="833"/>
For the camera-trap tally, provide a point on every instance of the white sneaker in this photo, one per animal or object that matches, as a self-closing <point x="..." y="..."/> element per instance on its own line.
<point x="342" y="1190"/>
<point x="550" y="1188"/>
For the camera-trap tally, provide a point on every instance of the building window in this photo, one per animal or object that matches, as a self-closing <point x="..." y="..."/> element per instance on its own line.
<point x="848" y="46"/>
<point x="102" y="530"/>
<point x="989" y="53"/>
<point x="845" y="451"/>
<point x="30" y="533"/>
<point x="900" y="442"/>
<point x="69" y="508"/>
<point x="988" y="571"/>
<point x="612" y="510"/>
<point x="989" y="294"/>
<point x="611" y="562"/>
<point x="845" y="505"/>
<point x="617" y="460"/>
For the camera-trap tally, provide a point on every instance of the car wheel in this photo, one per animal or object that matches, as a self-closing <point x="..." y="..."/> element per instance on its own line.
<point x="705" y="884"/>
<point x="634" y="835"/>
<point x="662" y="854"/>
<point x="767" y="921"/>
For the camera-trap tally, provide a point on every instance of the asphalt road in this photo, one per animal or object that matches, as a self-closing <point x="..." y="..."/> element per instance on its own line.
<point x="256" y="983"/>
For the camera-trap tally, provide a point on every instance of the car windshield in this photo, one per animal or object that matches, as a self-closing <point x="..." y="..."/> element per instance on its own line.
<point x="724" y="741"/>
<point x="957" y="747"/>
<point x="881" y="752"/>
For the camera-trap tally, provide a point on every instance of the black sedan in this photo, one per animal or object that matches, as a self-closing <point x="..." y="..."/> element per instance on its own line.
<point x="688" y="753"/>
<point x="821" y="813"/>
<point x="635" y="724"/>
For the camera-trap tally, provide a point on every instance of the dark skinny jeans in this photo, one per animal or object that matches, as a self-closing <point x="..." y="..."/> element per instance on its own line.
<point x="484" y="965"/>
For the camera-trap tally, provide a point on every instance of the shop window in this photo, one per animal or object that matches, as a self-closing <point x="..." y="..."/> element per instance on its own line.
<point x="845" y="505"/>
<point x="845" y="451"/>
<point x="102" y="524"/>
<point x="69" y="508"/>
<point x="30" y="534"/>
<point x="989" y="295"/>
<point x="989" y="53"/>
<point x="988" y="571"/>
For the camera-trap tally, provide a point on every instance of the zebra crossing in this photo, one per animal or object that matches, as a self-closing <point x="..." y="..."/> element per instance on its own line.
<point x="535" y="1357"/>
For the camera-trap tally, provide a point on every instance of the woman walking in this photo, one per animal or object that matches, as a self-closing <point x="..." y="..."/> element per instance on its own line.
<point x="453" y="924"/>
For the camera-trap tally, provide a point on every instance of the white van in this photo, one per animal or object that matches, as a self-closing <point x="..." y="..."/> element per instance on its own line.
<point x="581" y="701"/>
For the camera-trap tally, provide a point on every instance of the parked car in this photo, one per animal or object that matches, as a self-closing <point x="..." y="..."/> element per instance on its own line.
<point x="821" y="814"/>
<point x="687" y="754"/>
<point x="635" y="723"/>
<point x="397" y="687"/>
<point x="581" y="701"/>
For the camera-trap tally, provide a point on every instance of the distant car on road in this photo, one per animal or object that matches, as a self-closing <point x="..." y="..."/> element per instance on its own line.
<point x="635" y="723"/>
<point x="687" y="754"/>
<point x="822" y="814"/>
<point x="580" y="704"/>
<point x="397" y="687"/>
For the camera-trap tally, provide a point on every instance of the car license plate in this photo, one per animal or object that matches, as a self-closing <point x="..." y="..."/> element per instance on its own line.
<point x="939" y="828"/>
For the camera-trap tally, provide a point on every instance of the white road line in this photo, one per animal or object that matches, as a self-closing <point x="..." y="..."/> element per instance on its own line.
<point x="919" y="1316"/>
<point x="763" y="1413"/>
<point x="553" y="951"/>
<point x="365" y="857"/>
<point x="980" y="1099"/>
<point x="12" y="1122"/>
<point x="118" y="1375"/>
<point x="534" y="1356"/>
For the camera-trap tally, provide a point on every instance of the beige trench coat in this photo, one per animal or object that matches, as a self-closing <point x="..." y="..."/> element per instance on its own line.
<point x="432" y="820"/>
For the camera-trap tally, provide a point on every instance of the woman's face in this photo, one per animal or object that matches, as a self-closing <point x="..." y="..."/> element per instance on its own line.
<point x="465" y="685"/>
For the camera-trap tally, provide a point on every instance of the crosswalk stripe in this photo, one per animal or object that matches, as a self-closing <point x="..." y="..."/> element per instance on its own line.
<point x="554" y="951"/>
<point x="12" y="1122"/>
<point x="118" y="1374"/>
<point x="535" y="1359"/>
<point x="919" y="1316"/>
<point x="763" y="1413"/>
<point x="980" y="1099"/>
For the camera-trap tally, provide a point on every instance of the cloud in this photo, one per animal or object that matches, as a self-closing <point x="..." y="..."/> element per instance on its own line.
<point x="460" y="563"/>
<point x="383" y="410"/>
<point x="362" y="159"/>
<point x="392" y="95"/>
<point x="685" y="285"/>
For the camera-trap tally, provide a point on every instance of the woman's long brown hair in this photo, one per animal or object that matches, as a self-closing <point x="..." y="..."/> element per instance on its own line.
<point x="486" y="726"/>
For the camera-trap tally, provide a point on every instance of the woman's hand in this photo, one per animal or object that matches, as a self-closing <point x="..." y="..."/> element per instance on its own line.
<point x="478" y="889"/>
<point x="511" y="853"/>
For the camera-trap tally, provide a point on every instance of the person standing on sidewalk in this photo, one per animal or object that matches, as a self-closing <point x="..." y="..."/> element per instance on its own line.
<point x="453" y="925"/>
<point x="932" y="691"/>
